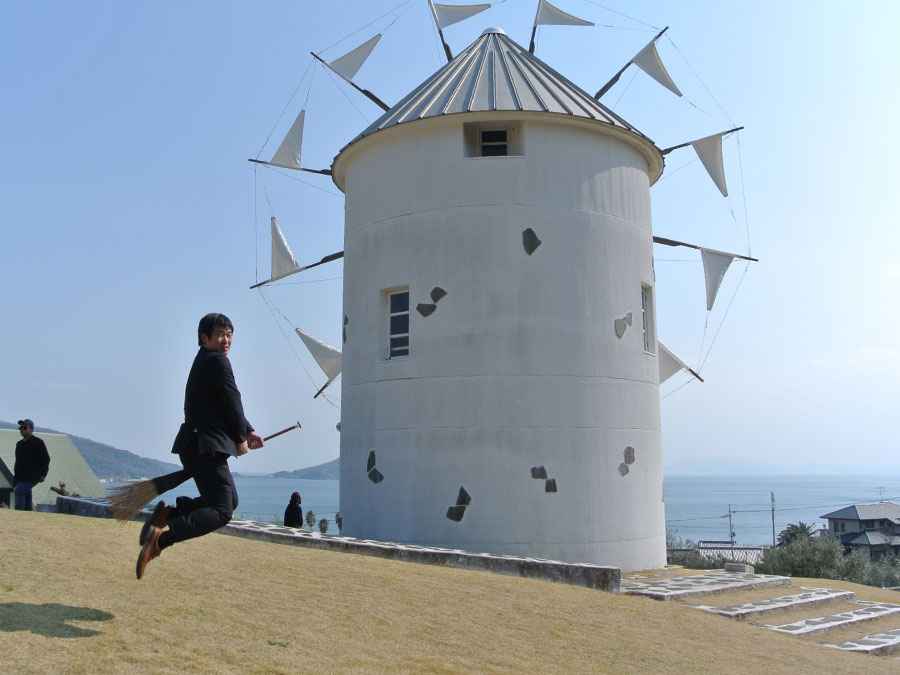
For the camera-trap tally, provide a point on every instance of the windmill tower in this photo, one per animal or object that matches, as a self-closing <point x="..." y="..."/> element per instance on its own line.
<point x="500" y="375"/>
<point x="501" y="366"/>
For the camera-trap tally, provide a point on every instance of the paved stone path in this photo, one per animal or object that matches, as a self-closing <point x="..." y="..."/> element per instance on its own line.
<point x="810" y="596"/>
<point x="698" y="584"/>
<point x="877" y="643"/>
<point x="867" y="612"/>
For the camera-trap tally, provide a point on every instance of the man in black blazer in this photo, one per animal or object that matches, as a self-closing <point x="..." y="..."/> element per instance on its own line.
<point x="214" y="429"/>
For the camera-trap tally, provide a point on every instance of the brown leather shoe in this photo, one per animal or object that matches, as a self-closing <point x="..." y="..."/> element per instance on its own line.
<point x="159" y="518"/>
<point x="149" y="550"/>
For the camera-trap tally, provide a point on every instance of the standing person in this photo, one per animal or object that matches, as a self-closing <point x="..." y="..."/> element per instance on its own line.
<point x="293" y="514"/>
<point x="214" y="429"/>
<point x="31" y="466"/>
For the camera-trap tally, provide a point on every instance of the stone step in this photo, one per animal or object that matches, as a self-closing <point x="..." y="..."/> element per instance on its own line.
<point x="671" y="588"/>
<point x="877" y="643"/>
<point x="868" y="611"/>
<point x="809" y="597"/>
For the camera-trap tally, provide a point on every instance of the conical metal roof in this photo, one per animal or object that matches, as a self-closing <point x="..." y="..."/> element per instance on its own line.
<point x="494" y="73"/>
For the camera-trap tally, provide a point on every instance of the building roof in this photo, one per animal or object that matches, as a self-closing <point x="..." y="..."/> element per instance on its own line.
<point x="887" y="510"/>
<point x="495" y="73"/>
<point x="870" y="538"/>
<point x="66" y="464"/>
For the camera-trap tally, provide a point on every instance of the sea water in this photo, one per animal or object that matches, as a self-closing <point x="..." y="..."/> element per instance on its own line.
<point x="696" y="506"/>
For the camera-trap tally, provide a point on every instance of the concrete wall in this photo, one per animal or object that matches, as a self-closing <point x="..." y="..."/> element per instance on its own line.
<point x="520" y="364"/>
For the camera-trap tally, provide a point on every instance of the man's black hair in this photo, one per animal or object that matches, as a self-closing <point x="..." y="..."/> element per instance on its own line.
<point x="209" y="323"/>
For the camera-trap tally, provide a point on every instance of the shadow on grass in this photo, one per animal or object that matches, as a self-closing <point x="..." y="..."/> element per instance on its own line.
<point x="50" y="619"/>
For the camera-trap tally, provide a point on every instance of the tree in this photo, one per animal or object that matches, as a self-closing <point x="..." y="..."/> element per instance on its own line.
<point x="310" y="518"/>
<point x="793" y="532"/>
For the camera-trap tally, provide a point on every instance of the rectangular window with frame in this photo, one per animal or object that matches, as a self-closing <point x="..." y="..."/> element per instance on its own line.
<point x="647" y="319"/>
<point x="398" y="323"/>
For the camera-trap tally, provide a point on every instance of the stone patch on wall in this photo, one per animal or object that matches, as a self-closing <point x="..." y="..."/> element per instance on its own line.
<point x="374" y="474"/>
<point x="463" y="499"/>
<point x="530" y="241"/>
<point x="621" y="325"/>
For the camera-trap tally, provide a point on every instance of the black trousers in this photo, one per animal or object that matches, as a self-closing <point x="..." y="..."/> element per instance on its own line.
<point x="217" y="501"/>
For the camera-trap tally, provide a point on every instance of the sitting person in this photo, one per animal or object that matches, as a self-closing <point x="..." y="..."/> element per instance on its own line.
<point x="293" y="514"/>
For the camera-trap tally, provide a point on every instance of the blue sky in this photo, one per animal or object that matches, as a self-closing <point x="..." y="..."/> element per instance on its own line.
<point x="128" y="210"/>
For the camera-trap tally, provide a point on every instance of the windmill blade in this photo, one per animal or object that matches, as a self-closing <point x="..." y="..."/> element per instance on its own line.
<point x="348" y="65"/>
<point x="447" y="15"/>
<point x="715" y="265"/>
<point x="288" y="153"/>
<point x="283" y="261"/>
<point x="648" y="60"/>
<point x="669" y="364"/>
<point x="328" y="358"/>
<point x="550" y="15"/>
<point x="709" y="150"/>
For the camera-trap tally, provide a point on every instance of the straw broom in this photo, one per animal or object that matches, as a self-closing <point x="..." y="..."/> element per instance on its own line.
<point x="126" y="501"/>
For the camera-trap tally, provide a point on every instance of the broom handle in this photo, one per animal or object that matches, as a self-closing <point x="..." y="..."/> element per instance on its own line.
<point x="176" y="478"/>
<point x="283" y="431"/>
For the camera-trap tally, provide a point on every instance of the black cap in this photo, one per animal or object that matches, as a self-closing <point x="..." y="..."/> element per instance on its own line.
<point x="26" y="422"/>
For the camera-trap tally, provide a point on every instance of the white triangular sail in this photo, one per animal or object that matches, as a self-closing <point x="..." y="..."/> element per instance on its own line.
<point x="283" y="261"/>
<point x="288" y="153"/>
<point x="669" y="364"/>
<point x="328" y="358"/>
<point x="550" y="15"/>
<point x="715" y="264"/>
<point x="648" y="60"/>
<point x="349" y="64"/>
<point x="709" y="150"/>
<point x="447" y="15"/>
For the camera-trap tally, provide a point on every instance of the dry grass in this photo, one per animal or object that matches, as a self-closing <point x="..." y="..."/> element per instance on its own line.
<point x="69" y="603"/>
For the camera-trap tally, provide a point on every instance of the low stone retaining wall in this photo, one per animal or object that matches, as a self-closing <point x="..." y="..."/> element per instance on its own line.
<point x="579" y="574"/>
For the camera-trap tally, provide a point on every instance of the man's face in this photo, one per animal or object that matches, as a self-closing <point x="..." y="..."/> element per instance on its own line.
<point x="220" y="341"/>
<point x="25" y="430"/>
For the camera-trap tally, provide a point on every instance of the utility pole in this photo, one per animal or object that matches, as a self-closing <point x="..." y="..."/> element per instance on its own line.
<point x="773" y="517"/>
<point x="730" y="525"/>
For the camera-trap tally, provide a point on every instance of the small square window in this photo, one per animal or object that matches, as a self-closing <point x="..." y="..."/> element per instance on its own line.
<point x="493" y="143"/>
<point x="492" y="139"/>
<point x="398" y="323"/>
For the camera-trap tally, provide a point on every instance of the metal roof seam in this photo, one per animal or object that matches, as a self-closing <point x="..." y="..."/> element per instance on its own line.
<point x="471" y="97"/>
<point x="509" y="79"/>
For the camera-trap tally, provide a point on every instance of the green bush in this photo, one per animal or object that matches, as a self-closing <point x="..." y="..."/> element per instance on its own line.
<point x="823" y="558"/>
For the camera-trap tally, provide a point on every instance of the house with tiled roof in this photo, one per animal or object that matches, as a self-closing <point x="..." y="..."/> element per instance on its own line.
<point x="872" y="528"/>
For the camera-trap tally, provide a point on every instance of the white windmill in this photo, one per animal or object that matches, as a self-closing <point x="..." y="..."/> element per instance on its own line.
<point x="501" y="367"/>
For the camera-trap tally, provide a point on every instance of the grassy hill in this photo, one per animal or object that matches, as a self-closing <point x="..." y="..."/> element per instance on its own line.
<point x="327" y="471"/>
<point x="69" y="602"/>
<point x="109" y="462"/>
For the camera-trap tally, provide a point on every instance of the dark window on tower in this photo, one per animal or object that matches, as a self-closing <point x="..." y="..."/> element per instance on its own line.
<point x="398" y="323"/>
<point x="494" y="143"/>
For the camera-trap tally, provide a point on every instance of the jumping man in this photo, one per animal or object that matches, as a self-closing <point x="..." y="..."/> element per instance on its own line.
<point x="214" y="428"/>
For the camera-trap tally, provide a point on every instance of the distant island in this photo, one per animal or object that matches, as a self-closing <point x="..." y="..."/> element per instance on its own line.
<point x="327" y="471"/>
<point x="107" y="462"/>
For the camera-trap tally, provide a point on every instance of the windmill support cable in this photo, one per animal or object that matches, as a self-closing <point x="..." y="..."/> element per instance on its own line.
<point x="365" y="92"/>
<point x="674" y="242"/>
<point x="286" y="106"/>
<point x="399" y="8"/>
<point x="615" y="78"/>
<point x="684" y="145"/>
<point x="275" y="312"/>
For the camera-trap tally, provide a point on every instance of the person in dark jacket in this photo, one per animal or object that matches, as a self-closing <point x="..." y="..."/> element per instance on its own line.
<point x="293" y="514"/>
<point x="214" y="429"/>
<point x="31" y="466"/>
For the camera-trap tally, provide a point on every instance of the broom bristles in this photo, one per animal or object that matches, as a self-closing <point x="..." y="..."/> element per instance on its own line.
<point x="126" y="501"/>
